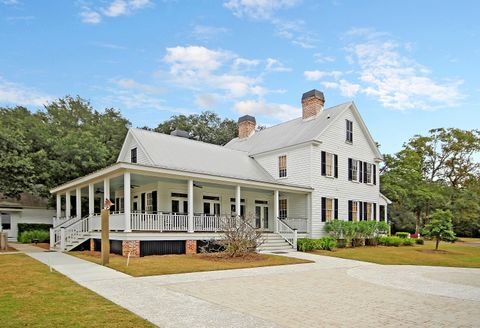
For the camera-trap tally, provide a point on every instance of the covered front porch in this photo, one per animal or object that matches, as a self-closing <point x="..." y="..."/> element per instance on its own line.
<point x="156" y="201"/>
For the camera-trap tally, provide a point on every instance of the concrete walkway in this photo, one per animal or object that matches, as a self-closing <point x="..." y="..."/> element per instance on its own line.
<point x="330" y="292"/>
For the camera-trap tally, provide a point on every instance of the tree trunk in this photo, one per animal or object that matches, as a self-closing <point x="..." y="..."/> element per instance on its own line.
<point x="417" y="224"/>
<point x="437" y="241"/>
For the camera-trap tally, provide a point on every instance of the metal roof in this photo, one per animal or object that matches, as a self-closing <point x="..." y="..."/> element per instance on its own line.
<point x="287" y="134"/>
<point x="195" y="156"/>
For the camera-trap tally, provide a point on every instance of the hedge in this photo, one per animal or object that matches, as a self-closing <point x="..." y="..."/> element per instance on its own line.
<point x="41" y="236"/>
<point x="326" y="243"/>
<point x="22" y="227"/>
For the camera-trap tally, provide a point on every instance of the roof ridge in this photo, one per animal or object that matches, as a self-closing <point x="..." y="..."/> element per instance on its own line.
<point x="190" y="140"/>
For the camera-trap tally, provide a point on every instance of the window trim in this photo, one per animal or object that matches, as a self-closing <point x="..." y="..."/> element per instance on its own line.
<point x="349" y="131"/>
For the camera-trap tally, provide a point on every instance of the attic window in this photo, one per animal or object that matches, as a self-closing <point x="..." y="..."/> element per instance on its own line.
<point x="349" y="136"/>
<point x="133" y="155"/>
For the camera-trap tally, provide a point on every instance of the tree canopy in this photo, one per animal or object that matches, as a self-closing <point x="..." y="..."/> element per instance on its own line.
<point x="437" y="171"/>
<point x="65" y="140"/>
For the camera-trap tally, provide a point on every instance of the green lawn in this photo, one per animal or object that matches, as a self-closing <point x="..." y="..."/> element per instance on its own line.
<point x="170" y="264"/>
<point x="453" y="255"/>
<point x="32" y="296"/>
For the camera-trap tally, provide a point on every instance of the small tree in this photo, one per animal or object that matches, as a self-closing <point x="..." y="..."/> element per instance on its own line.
<point x="440" y="227"/>
<point x="239" y="236"/>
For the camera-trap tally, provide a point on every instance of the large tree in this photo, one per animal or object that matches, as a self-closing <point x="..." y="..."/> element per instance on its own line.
<point x="65" y="140"/>
<point x="206" y="126"/>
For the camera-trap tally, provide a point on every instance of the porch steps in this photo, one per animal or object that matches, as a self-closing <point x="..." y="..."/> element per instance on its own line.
<point x="274" y="243"/>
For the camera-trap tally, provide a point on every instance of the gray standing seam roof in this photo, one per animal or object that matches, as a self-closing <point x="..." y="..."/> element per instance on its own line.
<point x="289" y="133"/>
<point x="183" y="154"/>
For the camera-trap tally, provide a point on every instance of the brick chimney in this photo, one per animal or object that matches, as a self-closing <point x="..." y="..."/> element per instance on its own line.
<point x="312" y="103"/>
<point x="246" y="126"/>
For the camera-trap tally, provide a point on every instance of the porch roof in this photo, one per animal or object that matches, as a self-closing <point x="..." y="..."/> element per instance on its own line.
<point x="121" y="167"/>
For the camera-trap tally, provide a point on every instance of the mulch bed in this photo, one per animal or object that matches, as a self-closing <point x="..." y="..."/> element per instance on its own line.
<point x="9" y="249"/>
<point x="42" y="245"/>
<point x="223" y="257"/>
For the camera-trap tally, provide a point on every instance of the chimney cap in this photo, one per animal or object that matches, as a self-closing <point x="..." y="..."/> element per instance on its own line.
<point x="313" y="93"/>
<point x="180" y="133"/>
<point x="247" y="118"/>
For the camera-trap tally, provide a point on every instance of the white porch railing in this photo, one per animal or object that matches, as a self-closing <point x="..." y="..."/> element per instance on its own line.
<point x="63" y="221"/>
<point x="207" y="223"/>
<point x="301" y="224"/>
<point x="159" y="222"/>
<point x="287" y="233"/>
<point x="69" y="234"/>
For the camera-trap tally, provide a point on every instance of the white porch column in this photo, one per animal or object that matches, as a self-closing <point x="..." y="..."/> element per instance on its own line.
<point x="106" y="190"/>
<point x="275" y="210"/>
<point x="126" y="200"/>
<point x="190" y="205"/>
<point x="68" y="206"/>
<point x="91" y="199"/>
<point x="59" y="206"/>
<point x="238" y="201"/>
<point x="309" y="212"/>
<point x="78" y="202"/>
<point x="386" y="213"/>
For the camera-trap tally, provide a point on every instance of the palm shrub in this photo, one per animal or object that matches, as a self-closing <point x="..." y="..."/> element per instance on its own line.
<point x="327" y="243"/>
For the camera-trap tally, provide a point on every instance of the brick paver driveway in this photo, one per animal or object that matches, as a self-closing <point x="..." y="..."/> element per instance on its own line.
<point x="329" y="293"/>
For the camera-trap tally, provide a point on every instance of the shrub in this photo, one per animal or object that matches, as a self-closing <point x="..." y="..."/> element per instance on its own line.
<point x="22" y="227"/>
<point x="402" y="234"/>
<point x="40" y="235"/>
<point x="341" y="243"/>
<point x="390" y="241"/>
<point x="408" y="241"/>
<point x="419" y="241"/>
<point x="327" y="243"/>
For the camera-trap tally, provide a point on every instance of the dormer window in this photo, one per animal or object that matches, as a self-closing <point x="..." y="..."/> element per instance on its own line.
<point x="133" y="155"/>
<point x="349" y="132"/>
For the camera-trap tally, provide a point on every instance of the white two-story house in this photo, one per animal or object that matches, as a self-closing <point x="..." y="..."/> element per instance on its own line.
<point x="171" y="193"/>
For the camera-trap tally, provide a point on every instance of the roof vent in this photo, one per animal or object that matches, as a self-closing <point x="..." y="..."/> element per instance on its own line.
<point x="180" y="133"/>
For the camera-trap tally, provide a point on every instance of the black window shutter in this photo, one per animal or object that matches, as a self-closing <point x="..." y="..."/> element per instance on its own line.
<point x="365" y="172"/>
<point x="154" y="201"/>
<point x="374" y="174"/>
<point x="350" y="175"/>
<point x="336" y="209"/>
<point x="324" y="209"/>
<point x="324" y="164"/>
<point x="360" y="168"/>
<point x="360" y="210"/>
<point x="335" y="163"/>
<point x="365" y="205"/>
<point x="142" y="207"/>
<point x="375" y="211"/>
<point x="350" y="216"/>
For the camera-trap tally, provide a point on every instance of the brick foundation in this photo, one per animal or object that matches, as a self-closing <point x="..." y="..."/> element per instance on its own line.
<point x="191" y="247"/>
<point x="132" y="246"/>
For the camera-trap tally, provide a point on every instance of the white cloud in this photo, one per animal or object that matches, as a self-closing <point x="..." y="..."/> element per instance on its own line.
<point x="134" y="85"/>
<point x="258" y="9"/>
<point x="274" y="65"/>
<point x="205" y="33"/>
<point x="317" y="75"/>
<point x="295" y="32"/>
<point x="113" y="9"/>
<point x="90" y="17"/>
<point x="282" y="112"/>
<point x="10" y="2"/>
<point x="245" y="63"/>
<point x="321" y="59"/>
<point x="398" y="81"/>
<point x="207" y="100"/>
<point x="16" y="94"/>
<point x="347" y="89"/>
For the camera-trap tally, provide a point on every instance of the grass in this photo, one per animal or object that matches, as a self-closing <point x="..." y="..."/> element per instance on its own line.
<point x="32" y="296"/>
<point x="450" y="255"/>
<point x="171" y="264"/>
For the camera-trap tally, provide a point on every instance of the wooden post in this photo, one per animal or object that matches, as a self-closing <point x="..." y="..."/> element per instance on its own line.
<point x="105" y="236"/>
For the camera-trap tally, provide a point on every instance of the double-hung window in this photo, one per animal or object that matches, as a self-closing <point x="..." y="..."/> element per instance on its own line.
<point x="329" y="164"/>
<point x="282" y="166"/>
<point x="133" y="155"/>
<point x="282" y="208"/>
<point x="329" y="209"/>
<point x="369" y="173"/>
<point x="353" y="166"/>
<point x="349" y="131"/>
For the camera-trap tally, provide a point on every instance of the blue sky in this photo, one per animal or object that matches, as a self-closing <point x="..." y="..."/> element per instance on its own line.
<point x="409" y="65"/>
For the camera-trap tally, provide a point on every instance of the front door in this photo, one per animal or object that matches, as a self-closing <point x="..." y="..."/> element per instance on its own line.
<point x="261" y="216"/>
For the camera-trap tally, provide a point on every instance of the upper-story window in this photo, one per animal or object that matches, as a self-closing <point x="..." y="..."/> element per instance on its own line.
<point x="353" y="165"/>
<point x="349" y="131"/>
<point x="369" y="173"/>
<point x="362" y="171"/>
<point x="282" y="166"/>
<point x="329" y="165"/>
<point x="133" y="155"/>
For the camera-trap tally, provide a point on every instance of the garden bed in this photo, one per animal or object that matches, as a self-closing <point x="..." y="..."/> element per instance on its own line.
<point x="172" y="264"/>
